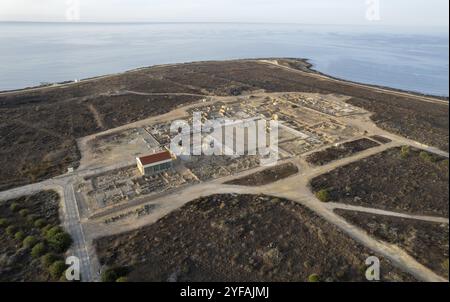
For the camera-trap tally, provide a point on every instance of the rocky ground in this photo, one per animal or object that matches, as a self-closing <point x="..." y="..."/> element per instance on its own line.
<point x="399" y="179"/>
<point x="39" y="127"/>
<point x="267" y="176"/>
<point x="239" y="238"/>
<point x="426" y="241"/>
<point x="326" y="156"/>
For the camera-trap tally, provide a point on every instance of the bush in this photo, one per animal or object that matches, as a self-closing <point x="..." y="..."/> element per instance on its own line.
<point x="40" y="223"/>
<point x="114" y="274"/>
<point x="60" y="242"/>
<point x="122" y="279"/>
<point x="19" y="235"/>
<point x="14" y="207"/>
<point x="45" y="229"/>
<point x="49" y="259"/>
<point x="38" y="250"/>
<point x="57" y="269"/>
<point x="314" y="278"/>
<point x="323" y="195"/>
<point x="24" y="212"/>
<point x="405" y="151"/>
<point x="3" y="222"/>
<point x="53" y="231"/>
<point x="427" y="157"/>
<point x="445" y="265"/>
<point x="29" y="241"/>
<point x="31" y="218"/>
<point x="11" y="230"/>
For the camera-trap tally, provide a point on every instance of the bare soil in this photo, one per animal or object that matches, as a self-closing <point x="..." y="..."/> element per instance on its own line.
<point x="389" y="181"/>
<point x="267" y="176"/>
<point x="326" y="156"/>
<point x="39" y="127"/>
<point x="16" y="262"/>
<point x="426" y="241"/>
<point x="239" y="238"/>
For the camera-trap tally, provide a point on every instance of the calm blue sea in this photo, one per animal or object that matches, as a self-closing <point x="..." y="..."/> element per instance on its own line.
<point x="33" y="53"/>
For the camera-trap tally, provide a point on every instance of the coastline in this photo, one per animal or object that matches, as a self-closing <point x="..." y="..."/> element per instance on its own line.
<point x="309" y="67"/>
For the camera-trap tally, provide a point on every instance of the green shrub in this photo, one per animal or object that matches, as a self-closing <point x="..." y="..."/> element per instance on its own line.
<point x="57" y="269"/>
<point x="40" y="223"/>
<point x="24" y="212"/>
<point x="3" y="222"/>
<point x="29" y="241"/>
<point x="445" y="265"/>
<point x="314" y="278"/>
<point x="45" y="229"/>
<point x="122" y="279"/>
<point x="48" y="259"/>
<point x="405" y="151"/>
<point x="14" y="207"/>
<point x="11" y="230"/>
<point x="30" y="218"/>
<point x="323" y="195"/>
<point x="113" y="274"/>
<point x="53" y="231"/>
<point x="19" y="235"/>
<point x="60" y="242"/>
<point x="38" y="250"/>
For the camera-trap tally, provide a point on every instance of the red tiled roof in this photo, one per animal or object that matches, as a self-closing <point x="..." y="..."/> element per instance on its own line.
<point x="155" y="158"/>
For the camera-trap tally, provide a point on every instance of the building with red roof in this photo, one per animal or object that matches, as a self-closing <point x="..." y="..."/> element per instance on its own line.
<point x="155" y="163"/>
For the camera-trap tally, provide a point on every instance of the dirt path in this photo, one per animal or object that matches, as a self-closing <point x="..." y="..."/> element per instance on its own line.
<point x="125" y="92"/>
<point x="333" y="206"/>
<point x="97" y="117"/>
<point x="295" y="188"/>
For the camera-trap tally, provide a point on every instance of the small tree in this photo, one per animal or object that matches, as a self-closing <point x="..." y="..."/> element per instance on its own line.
<point x="48" y="259"/>
<point x="53" y="231"/>
<point x="323" y="195"/>
<point x="40" y="223"/>
<point x="314" y="278"/>
<point x="405" y="151"/>
<point x="11" y="230"/>
<point x="113" y="274"/>
<point x="31" y="217"/>
<point x="45" y="229"/>
<point x="24" y="212"/>
<point x="29" y="241"/>
<point x="14" y="207"/>
<point x="3" y="222"/>
<point x="38" y="250"/>
<point x="57" y="269"/>
<point x="19" y="236"/>
<point x="60" y="242"/>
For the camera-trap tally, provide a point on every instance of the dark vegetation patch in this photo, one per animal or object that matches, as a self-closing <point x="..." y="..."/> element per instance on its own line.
<point x="267" y="176"/>
<point x="421" y="121"/>
<point x="238" y="238"/>
<point x="381" y="139"/>
<point x="32" y="242"/>
<point x="38" y="141"/>
<point x="326" y="156"/>
<point x="39" y="127"/>
<point x="427" y="242"/>
<point x="399" y="179"/>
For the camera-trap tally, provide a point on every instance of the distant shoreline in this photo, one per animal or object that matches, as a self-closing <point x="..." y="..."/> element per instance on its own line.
<point x="309" y="68"/>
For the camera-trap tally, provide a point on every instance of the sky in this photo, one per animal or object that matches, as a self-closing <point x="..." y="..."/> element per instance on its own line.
<point x="357" y="12"/>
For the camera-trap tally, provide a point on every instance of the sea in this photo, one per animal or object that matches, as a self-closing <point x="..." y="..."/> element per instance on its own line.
<point x="412" y="59"/>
